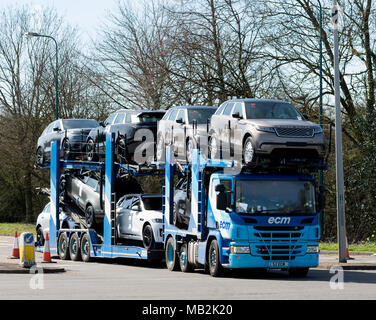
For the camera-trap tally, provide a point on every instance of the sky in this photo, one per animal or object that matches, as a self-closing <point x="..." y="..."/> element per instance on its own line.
<point x="86" y="15"/>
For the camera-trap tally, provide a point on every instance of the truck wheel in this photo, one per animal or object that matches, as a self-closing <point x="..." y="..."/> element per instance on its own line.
<point x="215" y="268"/>
<point x="185" y="266"/>
<point x="74" y="248"/>
<point x="62" y="246"/>
<point x="85" y="248"/>
<point x="298" y="272"/>
<point x="171" y="255"/>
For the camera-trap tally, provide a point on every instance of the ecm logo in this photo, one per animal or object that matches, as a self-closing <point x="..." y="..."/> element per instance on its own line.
<point x="279" y="220"/>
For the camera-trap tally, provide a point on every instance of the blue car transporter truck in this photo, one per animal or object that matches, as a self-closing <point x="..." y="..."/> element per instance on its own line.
<point x="242" y="220"/>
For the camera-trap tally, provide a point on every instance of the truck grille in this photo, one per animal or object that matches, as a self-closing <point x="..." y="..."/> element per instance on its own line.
<point x="295" y="132"/>
<point x="278" y="243"/>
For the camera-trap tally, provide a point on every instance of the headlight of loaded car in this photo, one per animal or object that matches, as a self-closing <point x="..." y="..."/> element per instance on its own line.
<point x="318" y="130"/>
<point x="265" y="129"/>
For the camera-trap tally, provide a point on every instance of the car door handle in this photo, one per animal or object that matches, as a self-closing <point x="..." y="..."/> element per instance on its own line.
<point x="141" y="219"/>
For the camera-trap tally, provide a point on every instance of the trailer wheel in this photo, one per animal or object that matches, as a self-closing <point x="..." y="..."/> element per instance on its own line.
<point x="171" y="255"/>
<point x="215" y="268"/>
<point x="298" y="272"/>
<point x="85" y="248"/>
<point x="74" y="247"/>
<point x="62" y="246"/>
<point x="185" y="266"/>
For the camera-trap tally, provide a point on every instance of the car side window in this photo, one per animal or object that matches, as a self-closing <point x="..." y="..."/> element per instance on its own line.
<point x="92" y="183"/>
<point x="120" y="118"/>
<point x="228" y="109"/>
<point x="238" y="109"/>
<point x="127" y="202"/>
<point x="110" y="119"/>
<point x="128" y="118"/>
<point x="220" y="109"/>
<point x="135" y="202"/>
<point x="173" y="115"/>
<point x="49" y="128"/>
<point x="47" y="208"/>
<point x="166" y="116"/>
<point x="181" y="115"/>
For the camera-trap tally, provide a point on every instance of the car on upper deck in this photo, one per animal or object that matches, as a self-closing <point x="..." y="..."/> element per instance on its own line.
<point x="266" y="132"/>
<point x="183" y="127"/>
<point x="71" y="133"/>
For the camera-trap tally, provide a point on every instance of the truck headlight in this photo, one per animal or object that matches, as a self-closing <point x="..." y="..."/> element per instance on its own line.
<point x="240" y="249"/>
<point x="312" y="249"/>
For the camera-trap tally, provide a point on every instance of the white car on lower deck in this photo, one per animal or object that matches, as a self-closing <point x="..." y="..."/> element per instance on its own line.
<point x="139" y="217"/>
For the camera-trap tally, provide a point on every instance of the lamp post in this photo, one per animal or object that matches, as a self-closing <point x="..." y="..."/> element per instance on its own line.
<point x="321" y="174"/>
<point x="34" y="34"/>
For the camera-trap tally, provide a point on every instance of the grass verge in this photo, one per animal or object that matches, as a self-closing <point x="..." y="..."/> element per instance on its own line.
<point x="8" y="229"/>
<point x="361" y="247"/>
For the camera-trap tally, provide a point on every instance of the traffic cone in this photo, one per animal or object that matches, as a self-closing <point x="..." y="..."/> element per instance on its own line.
<point x="46" y="251"/>
<point x="16" y="248"/>
<point x="347" y="250"/>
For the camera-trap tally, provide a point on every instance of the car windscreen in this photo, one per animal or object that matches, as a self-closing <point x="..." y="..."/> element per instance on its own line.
<point x="275" y="197"/>
<point x="152" y="203"/>
<point x="271" y="110"/>
<point x="200" y="115"/>
<point x="150" y="117"/>
<point x="78" y="124"/>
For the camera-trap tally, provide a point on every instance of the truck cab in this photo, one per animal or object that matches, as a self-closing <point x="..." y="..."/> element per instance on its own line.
<point x="264" y="220"/>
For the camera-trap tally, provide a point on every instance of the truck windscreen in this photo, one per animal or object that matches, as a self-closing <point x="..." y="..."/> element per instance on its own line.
<point x="279" y="197"/>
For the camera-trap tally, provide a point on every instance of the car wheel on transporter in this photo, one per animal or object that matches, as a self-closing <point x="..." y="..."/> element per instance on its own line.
<point x="215" y="268"/>
<point x="148" y="237"/>
<point x="248" y="152"/>
<point x="176" y="216"/>
<point x="74" y="247"/>
<point x="62" y="191"/>
<point x="121" y="150"/>
<point x="90" y="216"/>
<point x="85" y="248"/>
<point x="40" y="156"/>
<point x="185" y="266"/>
<point x="65" y="149"/>
<point x="91" y="155"/>
<point x="189" y="150"/>
<point x="62" y="246"/>
<point x="172" y="261"/>
<point x="213" y="148"/>
<point x="160" y="149"/>
<point x="40" y="236"/>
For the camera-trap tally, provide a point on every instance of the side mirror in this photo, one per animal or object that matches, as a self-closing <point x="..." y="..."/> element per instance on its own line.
<point x="136" y="208"/>
<point x="180" y="120"/>
<point x="56" y="129"/>
<point x="102" y="124"/>
<point x="236" y="115"/>
<point x="321" y="198"/>
<point x="305" y="116"/>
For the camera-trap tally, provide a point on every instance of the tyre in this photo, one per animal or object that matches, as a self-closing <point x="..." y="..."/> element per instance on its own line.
<point x="298" y="272"/>
<point x="148" y="237"/>
<point x="177" y="220"/>
<point x="121" y="150"/>
<point x="171" y="255"/>
<point x="40" y="156"/>
<point x="62" y="191"/>
<point x="74" y="247"/>
<point x="189" y="150"/>
<point x="62" y="247"/>
<point x="91" y="155"/>
<point x="185" y="266"/>
<point x="213" y="148"/>
<point x="65" y="149"/>
<point x="40" y="236"/>
<point x="90" y="216"/>
<point x="85" y="248"/>
<point x="248" y="152"/>
<point x="161" y="152"/>
<point x="215" y="268"/>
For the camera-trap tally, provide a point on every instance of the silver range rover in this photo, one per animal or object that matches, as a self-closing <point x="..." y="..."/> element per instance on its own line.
<point x="267" y="132"/>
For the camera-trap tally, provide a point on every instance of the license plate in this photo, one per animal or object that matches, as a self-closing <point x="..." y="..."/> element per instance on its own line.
<point x="278" y="264"/>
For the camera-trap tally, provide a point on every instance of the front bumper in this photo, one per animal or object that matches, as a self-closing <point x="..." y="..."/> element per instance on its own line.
<point x="296" y="258"/>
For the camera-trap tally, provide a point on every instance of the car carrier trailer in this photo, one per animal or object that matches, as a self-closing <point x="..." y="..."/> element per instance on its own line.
<point x="83" y="243"/>
<point x="220" y="235"/>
